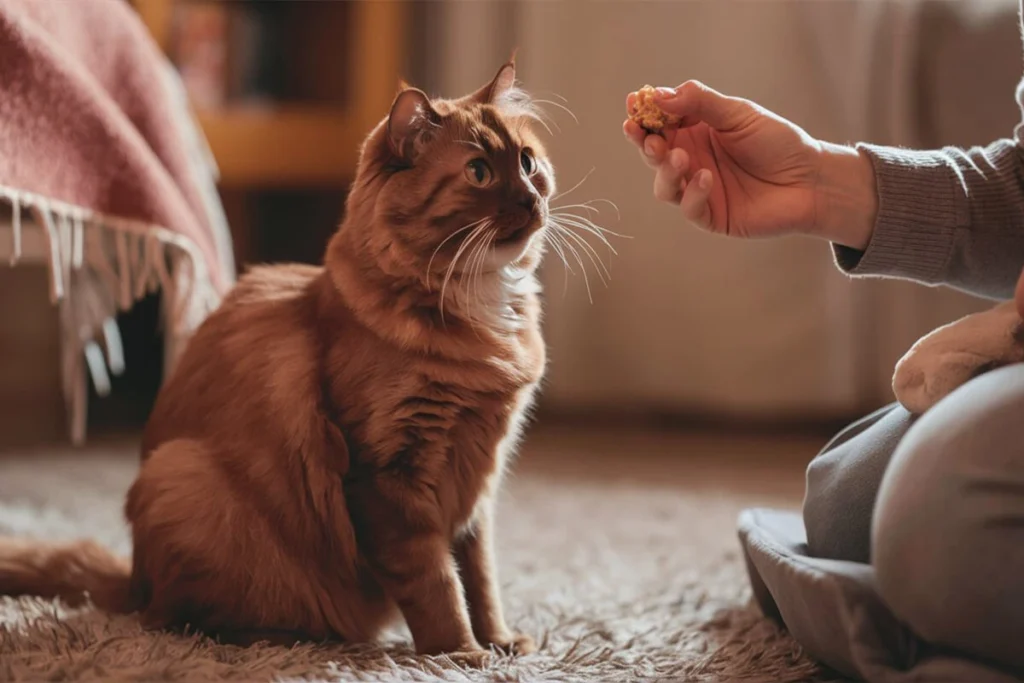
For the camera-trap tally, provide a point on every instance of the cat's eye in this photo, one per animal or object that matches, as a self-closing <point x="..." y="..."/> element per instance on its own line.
<point x="478" y="173"/>
<point x="527" y="161"/>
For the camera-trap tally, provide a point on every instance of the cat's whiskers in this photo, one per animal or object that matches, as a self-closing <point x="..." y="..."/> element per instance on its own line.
<point x="568" y="228"/>
<point x="474" y="263"/>
<point x="430" y="263"/>
<point x="597" y="230"/>
<point x="484" y="295"/>
<point x="564" y="108"/>
<point x="560" y="106"/>
<point x="555" y="242"/>
<point x="524" y="121"/>
<point x="496" y="293"/>
<point x="589" y="206"/>
<point x="554" y="94"/>
<point x="558" y="229"/>
<point x="516" y="104"/>
<point x="586" y="226"/>
<point x="472" y="143"/>
<point x="584" y="223"/>
<point x="466" y="242"/>
<point x="481" y="259"/>
<point x="573" y="188"/>
<point x="591" y="252"/>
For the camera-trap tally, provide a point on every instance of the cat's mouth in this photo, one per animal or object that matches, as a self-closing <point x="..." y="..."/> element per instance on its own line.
<point x="519" y="235"/>
<point x="516" y="236"/>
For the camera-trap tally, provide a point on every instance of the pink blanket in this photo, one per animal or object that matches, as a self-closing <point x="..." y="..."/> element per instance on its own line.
<point x="99" y="152"/>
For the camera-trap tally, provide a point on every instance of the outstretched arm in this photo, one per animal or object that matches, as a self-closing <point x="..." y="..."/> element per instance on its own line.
<point x="948" y="216"/>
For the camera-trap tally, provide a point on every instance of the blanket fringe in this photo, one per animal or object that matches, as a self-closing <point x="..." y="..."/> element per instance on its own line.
<point x="15" y="233"/>
<point x="81" y="246"/>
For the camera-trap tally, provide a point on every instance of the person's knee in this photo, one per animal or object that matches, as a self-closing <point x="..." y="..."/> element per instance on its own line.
<point x="842" y="482"/>
<point x="948" y="534"/>
<point x="833" y="531"/>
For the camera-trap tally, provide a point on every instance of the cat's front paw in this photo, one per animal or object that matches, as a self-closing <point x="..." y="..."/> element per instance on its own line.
<point x="513" y="643"/>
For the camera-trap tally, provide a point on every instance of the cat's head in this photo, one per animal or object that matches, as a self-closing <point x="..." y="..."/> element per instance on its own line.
<point x="453" y="186"/>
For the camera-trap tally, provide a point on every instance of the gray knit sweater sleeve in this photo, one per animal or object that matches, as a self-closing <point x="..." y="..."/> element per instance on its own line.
<point x="949" y="216"/>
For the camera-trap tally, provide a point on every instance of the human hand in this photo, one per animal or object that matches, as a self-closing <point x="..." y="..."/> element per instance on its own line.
<point x="1018" y="296"/>
<point x="737" y="169"/>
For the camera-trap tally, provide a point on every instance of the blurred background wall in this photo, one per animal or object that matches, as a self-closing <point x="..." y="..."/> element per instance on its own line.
<point x="691" y="326"/>
<point x="699" y="325"/>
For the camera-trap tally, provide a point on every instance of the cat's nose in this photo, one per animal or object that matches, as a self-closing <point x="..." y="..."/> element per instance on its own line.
<point x="525" y="202"/>
<point x="517" y="205"/>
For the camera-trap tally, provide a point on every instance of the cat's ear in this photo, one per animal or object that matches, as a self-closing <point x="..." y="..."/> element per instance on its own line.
<point x="411" y="116"/>
<point x="502" y="82"/>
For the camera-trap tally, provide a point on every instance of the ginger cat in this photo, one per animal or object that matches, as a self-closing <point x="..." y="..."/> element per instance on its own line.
<point x="324" y="459"/>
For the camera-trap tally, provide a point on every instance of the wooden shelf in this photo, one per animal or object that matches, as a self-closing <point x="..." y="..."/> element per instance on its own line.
<point x="283" y="146"/>
<point x="304" y="145"/>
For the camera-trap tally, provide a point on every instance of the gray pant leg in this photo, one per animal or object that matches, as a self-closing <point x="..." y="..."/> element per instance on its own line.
<point x="834" y="610"/>
<point x="948" y="543"/>
<point x="949" y="524"/>
<point x="843" y="481"/>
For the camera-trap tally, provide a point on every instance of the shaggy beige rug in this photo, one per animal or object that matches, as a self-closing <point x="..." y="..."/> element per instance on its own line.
<point x="618" y="554"/>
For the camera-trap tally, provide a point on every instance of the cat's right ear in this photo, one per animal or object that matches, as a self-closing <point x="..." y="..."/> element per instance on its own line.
<point x="410" y="119"/>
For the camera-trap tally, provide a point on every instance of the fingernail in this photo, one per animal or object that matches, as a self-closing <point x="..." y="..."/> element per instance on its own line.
<point x="664" y="92"/>
<point x="648" y="143"/>
<point x="676" y="159"/>
<point x="705" y="180"/>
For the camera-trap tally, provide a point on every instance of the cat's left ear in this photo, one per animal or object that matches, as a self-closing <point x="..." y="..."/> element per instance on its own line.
<point x="502" y="82"/>
<point x="409" y="121"/>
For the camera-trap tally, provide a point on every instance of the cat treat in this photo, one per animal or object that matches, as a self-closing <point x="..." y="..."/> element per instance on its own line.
<point x="648" y="115"/>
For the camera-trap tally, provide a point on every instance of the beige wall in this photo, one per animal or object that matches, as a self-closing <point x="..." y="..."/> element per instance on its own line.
<point x="693" y="322"/>
<point x="689" y="322"/>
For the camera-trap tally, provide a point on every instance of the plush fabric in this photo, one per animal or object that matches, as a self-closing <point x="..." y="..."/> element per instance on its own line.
<point x="833" y="608"/>
<point x="622" y="564"/>
<point x="98" y="151"/>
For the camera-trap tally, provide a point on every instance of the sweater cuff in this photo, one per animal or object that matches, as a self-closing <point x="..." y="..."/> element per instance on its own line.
<point x="918" y="214"/>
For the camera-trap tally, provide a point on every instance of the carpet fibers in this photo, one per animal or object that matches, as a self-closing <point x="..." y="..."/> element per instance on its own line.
<point x="617" y="553"/>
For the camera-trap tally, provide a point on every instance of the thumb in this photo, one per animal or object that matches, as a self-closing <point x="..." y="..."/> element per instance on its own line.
<point x="695" y="102"/>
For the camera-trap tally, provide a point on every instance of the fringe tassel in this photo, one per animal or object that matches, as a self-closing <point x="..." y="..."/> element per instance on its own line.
<point x="166" y="283"/>
<point x="97" y="368"/>
<point x="154" y="252"/>
<point x="80" y="248"/>
<point x="115" y="351"/>
<point x="45" y="220"/>
<point x="124" y="271"/>
<point x="144" y="269"/>
<point x="182" y="277"/>
<point x="97" y="252"/>
<point x="15" y="231"/>
<point x="66" y="244"/>
<point x="133" y="256"/>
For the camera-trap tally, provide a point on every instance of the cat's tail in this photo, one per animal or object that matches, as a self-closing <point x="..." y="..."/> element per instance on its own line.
<point x="70" y="571"/>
